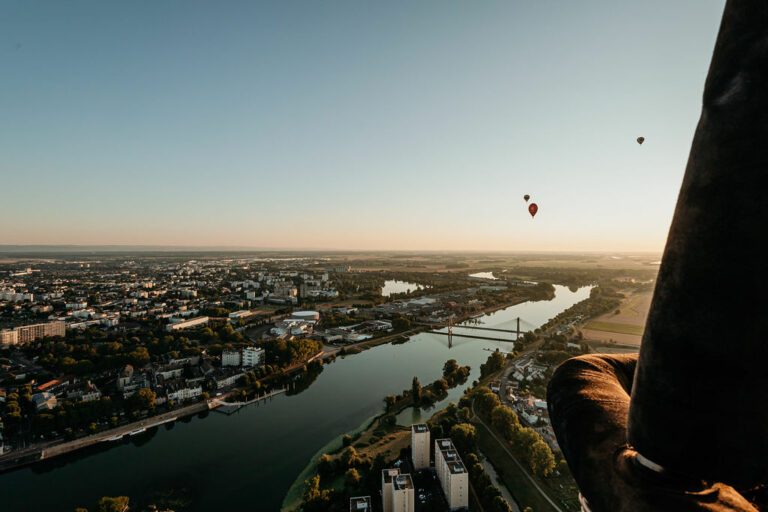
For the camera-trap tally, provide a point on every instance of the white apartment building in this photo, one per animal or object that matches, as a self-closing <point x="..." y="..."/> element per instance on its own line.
<point x="230" y="358"/>
<point x="397" y="492"/>
<point x="402" y="494"/>
<point x="249" y="356"/>
<point x="420" y="446"/>
<point x="28" y="333"/>
<point x="387" y="476"/>
<point x="452" y="474"/>
<point x="252" y="356"/>
<point x="186" y="324"/>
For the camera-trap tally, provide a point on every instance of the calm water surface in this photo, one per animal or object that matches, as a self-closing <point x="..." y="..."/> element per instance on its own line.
<point x="234" y="462"/>
<point x="394" y="286"/>
<point x="483" y="275"/>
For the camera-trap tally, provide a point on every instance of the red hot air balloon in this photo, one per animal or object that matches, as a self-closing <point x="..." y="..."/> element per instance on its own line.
<point x="526" y="197"/>
<point x="640" y="140"/>
<point x="532" y="209"/>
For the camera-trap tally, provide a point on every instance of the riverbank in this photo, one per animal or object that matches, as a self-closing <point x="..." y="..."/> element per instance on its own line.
<point x="45" y="451"/>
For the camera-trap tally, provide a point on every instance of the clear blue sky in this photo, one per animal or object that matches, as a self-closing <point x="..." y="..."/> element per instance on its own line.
<point x="348" y="124"/>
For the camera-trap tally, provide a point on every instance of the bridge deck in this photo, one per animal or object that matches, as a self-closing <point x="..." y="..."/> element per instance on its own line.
<point x="472" y="336"/>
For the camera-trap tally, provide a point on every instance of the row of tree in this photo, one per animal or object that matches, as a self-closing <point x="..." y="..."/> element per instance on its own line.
<point x="525" y="441"/>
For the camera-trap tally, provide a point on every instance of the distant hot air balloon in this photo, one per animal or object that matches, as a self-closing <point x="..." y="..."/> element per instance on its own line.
<point x="532" y="209"/>
<point x="526" y="197"/>
<point x="640" y="140"/>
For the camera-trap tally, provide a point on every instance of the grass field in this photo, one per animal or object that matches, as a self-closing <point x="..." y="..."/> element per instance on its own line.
<point x="637" y="330"/>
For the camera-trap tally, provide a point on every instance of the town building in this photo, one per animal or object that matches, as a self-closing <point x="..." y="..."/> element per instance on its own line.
<point x="230" y="358"/>
<point x="29" y="333"/>
<point x="186" y="324"/>
<point x="452" y="474"/>
<point x="252" y="356"/>
<point x="420" y="446"/>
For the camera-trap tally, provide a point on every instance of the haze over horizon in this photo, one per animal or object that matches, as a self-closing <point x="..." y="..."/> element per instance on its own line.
<point x="349" y="126"/>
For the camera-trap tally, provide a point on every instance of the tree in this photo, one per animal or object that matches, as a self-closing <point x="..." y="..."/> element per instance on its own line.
<point x="495" y="362"/>
<point x="346" y="440"/>
<point x="499" y="504"/>
<point x="315" y="500"/>
<point x="540" y="459"/>
<point x="463" y="437"/>
<point x="107" y="504"/>
<point x="400" y="323"/>
<point x="416" y="390"/>
<point x="450" y="367"/>
<point x="505" y="421"/>
<point x="486" y="403"/>
<point x="349" y="456"/>
<point x="440" y="386"/>
<point x="325" y="465"/>
<point x="524" y="438"/>
<point x="351" y="478"/>
<point x="143" y="399"/>
<point x="390" y="401"/>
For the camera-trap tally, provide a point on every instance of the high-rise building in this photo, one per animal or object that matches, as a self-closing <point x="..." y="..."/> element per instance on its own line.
<point x="387" y="476"/>
<point x="452" y="474"/>
<point x="402" y="494"/>
<point x="420" y="446"/>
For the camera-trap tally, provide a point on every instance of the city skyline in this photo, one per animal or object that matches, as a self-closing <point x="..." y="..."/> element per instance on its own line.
<point x="349" y="126"/>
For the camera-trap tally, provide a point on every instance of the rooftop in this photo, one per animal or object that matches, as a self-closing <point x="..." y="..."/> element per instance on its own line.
<point x="388" y="474"/>
<point x="360" y="504"/>
<point x="403" y="482"/>
<point x="451" y="456"/>
<point x="419" y="428"/>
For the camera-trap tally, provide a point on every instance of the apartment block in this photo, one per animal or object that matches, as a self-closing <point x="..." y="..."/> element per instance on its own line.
<point x="452" y="474"/>
<point x="28" y="333"/>
<point x="420" y="446"/>
<point x="387" y="477"/>
<point x="402" y="494"/>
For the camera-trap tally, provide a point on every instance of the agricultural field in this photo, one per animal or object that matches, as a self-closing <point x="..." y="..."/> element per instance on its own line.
<point x="625" y="327"/>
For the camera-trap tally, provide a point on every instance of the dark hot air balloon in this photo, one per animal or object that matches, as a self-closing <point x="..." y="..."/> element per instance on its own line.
<point x="526" y="197"/>
<point x="532" y="209"/>
<point x="640" y="140"/>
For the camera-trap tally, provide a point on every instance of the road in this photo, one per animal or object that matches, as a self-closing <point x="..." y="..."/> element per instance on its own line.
<point x="522" y="468"/>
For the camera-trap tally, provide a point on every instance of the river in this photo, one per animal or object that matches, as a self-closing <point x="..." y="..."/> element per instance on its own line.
<point x="249" y="460"/>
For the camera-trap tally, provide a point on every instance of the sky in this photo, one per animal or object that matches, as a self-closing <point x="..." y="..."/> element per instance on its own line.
<point x="349" y="124"/>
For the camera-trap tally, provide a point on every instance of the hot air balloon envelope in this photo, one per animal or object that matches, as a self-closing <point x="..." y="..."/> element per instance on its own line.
<point x="532" y="209"/>
<point x="640" y="140"/>
<point x="526" y="197"/>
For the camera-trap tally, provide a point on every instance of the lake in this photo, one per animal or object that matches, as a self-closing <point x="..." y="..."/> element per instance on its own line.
<point x="249" y="460"/>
